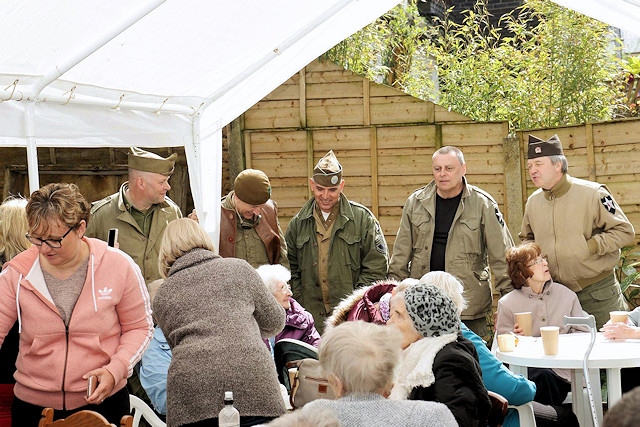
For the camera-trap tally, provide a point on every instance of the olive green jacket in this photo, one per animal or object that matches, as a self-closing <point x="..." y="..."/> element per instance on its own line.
<point x="358" y="255"/>
<point x="478" y="238"/>
<point x="111" y="212"/>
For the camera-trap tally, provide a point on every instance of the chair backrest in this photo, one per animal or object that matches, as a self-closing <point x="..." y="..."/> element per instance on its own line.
<point x="288" y="350"/>
<point x="141" y="410"/>
<point x="84" y="418"/>
<point x="499" y="408"/>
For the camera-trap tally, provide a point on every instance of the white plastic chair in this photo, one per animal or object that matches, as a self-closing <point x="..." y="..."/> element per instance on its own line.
<point x="525" y="414"/>
<point x="143" y="410"/>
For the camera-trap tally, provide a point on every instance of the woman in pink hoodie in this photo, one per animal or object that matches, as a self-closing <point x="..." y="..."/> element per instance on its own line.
<point x="82" y="310"/>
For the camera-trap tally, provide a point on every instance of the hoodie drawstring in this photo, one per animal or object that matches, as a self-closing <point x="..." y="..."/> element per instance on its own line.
<point x="93" y="288"/>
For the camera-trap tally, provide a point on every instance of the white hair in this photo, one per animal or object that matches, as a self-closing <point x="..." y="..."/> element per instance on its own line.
<point x="450" y="284"/>
<point x="273" y="275"/>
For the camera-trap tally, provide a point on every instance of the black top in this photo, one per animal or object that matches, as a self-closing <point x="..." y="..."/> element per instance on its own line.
<point x="445" y="212"/>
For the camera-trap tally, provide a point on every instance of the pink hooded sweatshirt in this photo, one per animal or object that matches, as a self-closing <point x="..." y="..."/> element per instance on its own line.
<point x="110" y="326"/>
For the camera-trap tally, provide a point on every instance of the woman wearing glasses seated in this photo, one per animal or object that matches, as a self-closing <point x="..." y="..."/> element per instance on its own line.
<point x="548" y="303"/>
<point x="299" y="323"/>
<point x="82" y="310"/>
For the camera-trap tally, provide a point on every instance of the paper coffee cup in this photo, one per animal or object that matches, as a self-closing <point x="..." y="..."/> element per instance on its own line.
<point x="525" y="321"/>
<point x="549" y="336"/>
<point x="506" y="342"/>
<point x="619" y="316"/>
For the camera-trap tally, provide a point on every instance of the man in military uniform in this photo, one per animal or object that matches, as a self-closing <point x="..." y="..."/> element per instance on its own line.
<point x="334" y="245"/>
<point x="579" y="226"/>
<point x="450" y="225"/>
<point x="140" y="210"/>
<point x="249" y="226"/>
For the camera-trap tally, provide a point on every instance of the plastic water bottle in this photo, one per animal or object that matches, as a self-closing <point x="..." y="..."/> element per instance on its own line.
<point x="228" y="416"/>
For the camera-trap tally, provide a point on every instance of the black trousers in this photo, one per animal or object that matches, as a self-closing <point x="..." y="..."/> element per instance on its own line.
<point x="550" y="388"/>
<point x="24" y="414"/>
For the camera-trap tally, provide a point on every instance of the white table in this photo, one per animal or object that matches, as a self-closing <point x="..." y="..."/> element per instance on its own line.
<point x="606" y="354"/>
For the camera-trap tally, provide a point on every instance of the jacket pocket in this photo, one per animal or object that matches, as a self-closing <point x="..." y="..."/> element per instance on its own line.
<point x="352" y="244"/>
<point x="43" y="364"/>
<point x="86" y="352"/>
<point x="302" y="240"/>
<point x="422" y="224"/>
<point x="605" y="294"/>
<point x="470" y="235"/>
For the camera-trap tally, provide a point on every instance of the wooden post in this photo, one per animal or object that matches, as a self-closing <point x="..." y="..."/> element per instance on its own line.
<point x="366" y="101"/>
<point x="375" y="200"/>
<point x="237" y="138"/>
<point x="591" y="155"/>
<point x="302" y="88"/>
<point x="513" y="179"/>
<point x="310" y="163"/>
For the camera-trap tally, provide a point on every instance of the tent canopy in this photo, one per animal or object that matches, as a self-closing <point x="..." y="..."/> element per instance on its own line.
<point x="156" y="73"/>
<point x="623" y="14"/>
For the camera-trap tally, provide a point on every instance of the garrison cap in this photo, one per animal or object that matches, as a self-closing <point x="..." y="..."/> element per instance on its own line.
<point x="328" y="171"/>
<point x="541" y="148"/>
<point x="252" y="186"/>
<point x="145" y="161"/>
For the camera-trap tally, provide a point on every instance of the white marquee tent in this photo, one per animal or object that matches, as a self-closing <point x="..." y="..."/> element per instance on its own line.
<point x="156" y="73"/>
<point x="623" y="14"/>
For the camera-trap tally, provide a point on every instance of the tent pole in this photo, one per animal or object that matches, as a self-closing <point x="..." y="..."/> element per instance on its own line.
<point x="205" y="177"/>
<point x="32" y="149"/>
<point x="138" y="106"/>
<point x="60" y="69"/>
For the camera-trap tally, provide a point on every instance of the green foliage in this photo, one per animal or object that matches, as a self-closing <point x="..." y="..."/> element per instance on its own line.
<point x="627" y="274"/>
<point x="542" y="66"/>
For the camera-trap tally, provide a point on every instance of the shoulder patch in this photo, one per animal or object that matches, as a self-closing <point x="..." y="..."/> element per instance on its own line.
<point x="609" y="204"/>
<point x="499" y="217"/>
<point x="381" y="243"/>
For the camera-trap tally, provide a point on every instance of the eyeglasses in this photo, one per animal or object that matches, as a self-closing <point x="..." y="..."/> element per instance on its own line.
<point x="52" y="243"/>
<point x="538" y="260"/>
<point x="285" y="288"/>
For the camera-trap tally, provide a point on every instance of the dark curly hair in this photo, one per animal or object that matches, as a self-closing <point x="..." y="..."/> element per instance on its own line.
<point x="517" y="259"/>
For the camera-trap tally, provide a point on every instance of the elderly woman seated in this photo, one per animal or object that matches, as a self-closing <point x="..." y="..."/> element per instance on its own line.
<point x="548" y="303"/>
<point x="299" y="324"/>
<point x="359" y="359"/>
<point x="438" y="364"/>
<point x="496" y="377"/>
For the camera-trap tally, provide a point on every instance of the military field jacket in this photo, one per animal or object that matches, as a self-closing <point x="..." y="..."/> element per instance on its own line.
<point x="478" y="239"/>
<point x="111" y="212"/>
<point x="357" y="256"/>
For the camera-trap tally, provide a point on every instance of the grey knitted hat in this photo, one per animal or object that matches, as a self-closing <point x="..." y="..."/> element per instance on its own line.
<point x="433" y="313"/>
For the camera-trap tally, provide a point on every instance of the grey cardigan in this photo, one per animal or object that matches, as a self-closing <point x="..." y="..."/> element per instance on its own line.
<point x="214" y="312"/>
<point x="370" y="409"/>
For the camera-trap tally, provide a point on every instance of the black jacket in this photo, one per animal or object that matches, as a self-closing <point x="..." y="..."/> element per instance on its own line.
<point x="458" y="384"/>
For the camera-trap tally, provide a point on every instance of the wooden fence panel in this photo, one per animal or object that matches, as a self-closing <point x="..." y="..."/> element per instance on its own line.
<point x="385" y="139"/>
